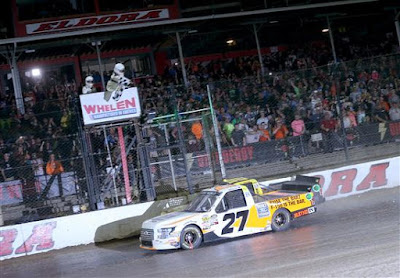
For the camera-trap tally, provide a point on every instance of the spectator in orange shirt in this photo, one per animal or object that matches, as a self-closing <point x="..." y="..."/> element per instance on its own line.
<point x="264" y="133"/>
<point x="280" y="130"/>
<point x="197" y="130"/>
<point x="54" y="168"/>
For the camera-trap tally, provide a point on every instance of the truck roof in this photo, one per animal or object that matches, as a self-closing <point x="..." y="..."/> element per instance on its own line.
<point x="224" y="188"/>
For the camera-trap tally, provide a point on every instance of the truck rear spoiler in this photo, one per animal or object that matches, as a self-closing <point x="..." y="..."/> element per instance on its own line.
<point x="302" y="183"/>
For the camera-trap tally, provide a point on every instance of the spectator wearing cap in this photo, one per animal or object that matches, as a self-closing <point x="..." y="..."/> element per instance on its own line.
<point x="263" y="119"/>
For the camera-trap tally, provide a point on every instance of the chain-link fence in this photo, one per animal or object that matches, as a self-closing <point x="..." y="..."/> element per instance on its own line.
<point x="51" y="165"/>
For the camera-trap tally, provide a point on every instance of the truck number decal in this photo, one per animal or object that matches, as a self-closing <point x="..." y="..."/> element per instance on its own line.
<point x="231" y="216"/>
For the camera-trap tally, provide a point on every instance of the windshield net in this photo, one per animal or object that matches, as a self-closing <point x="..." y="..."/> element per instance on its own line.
<point x="202" y="202"/>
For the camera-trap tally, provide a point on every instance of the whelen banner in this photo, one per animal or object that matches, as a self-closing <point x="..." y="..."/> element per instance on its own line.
<point x="96" y="21"/>
<point x="97" y="110"/>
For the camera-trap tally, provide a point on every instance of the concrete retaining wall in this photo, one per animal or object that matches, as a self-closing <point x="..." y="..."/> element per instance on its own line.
<point x="122" y="222"/>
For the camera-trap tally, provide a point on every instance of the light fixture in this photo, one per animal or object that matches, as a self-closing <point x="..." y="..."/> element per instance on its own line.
<point x="273" y="21"/>
<point x="325" y="30"/>
<point x="230" y="42"/>
<point x="36" y="72"/>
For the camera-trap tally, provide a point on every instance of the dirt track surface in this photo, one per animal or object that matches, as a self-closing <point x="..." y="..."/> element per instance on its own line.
<point x="356" y="236"/>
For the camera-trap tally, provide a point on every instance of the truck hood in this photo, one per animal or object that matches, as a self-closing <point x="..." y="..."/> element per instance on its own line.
<point x="168" y="220"/>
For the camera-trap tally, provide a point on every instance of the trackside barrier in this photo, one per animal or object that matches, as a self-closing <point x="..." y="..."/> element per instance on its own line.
<point x="122" y="222"/>
<point x="355" y="179"/>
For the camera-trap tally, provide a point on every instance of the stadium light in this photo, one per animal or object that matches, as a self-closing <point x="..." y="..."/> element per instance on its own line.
<point x="230" y="42"/>
<point x="325" y="30"/>
<point x="36" y="72"/>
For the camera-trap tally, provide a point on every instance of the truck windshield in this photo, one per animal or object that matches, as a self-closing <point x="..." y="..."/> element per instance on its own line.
<point x="202" y="202"/>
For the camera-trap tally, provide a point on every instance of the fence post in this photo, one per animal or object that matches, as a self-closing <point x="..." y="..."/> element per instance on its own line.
<point x="111" y="164"/>
<point x="208" y="144"/>
<point x="144" y="165"/>
<point x="217" y="135"/>
<point x="340" y="113"/>
<point x="182" y="141"/>
<point x="88" y="162"/>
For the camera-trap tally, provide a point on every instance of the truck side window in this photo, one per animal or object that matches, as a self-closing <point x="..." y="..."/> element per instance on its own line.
<point x="250" y="187"/>
<point x="235" y="199"/>
<point x="222" y="206"/>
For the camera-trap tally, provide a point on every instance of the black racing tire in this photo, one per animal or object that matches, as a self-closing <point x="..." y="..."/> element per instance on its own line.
<point x="281" y="220"/>
<point x="191" y="234"/>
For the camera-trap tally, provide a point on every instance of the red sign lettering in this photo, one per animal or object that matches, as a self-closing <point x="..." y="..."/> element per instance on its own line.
<point x="343" y="179"/>
<point x="64" y="25"/>
<point x="94" y="21"/>
<point x="375" y="178"/>
<point x="150" y="15"/>
<point x="127" y="17"/>
<point x="86" y="22"/>
<point x="7" y="238"/>
<point x="46" y="27"/>
<point x="107" y="19"/>
<point x="41" y="237"/>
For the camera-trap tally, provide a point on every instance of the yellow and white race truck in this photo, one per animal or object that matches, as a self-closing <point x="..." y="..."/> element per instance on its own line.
<point x="236" y="208"/>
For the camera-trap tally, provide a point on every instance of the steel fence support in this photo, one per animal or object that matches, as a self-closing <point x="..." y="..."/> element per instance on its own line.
<point x="148" y="185"/>
<point x="111" y="164"/>
<point x="97" y="43"/>
<point x="259" y="50"/>
<point x="12" y="61"/>
<point x="171" y="163"/>
<point x="331" y="39"/>
<point x="397" y="24"/>
<point x="217" y="135"/>
<point x="207" y="144"/>
<point x="182" y="60"/>
<point x="88" y="162"/>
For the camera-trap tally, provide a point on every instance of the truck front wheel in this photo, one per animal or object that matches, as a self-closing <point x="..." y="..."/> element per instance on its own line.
<point x="191" y="237"/>
<point x="281" y="220"/>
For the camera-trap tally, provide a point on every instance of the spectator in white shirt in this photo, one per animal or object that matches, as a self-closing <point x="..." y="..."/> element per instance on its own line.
<point x="394" y="112"/>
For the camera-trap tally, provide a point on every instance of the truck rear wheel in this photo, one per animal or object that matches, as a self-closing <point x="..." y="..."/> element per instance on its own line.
<point x="191" y="237"/>
<point x="281" y="220"/>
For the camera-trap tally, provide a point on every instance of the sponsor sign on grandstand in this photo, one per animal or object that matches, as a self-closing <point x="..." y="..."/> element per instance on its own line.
<point x="96" y="21"/>
<point x="97" y="110"/>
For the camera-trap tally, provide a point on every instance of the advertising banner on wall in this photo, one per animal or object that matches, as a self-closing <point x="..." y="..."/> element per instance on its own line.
<point x="97" y="110"/>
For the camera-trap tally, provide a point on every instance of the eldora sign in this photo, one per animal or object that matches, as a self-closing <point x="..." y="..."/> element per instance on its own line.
<point x="95" y="21"/>
<point x="96" y="110"/>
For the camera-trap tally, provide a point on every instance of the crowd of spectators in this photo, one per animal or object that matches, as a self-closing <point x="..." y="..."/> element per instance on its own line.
<point x="298" y="96"/>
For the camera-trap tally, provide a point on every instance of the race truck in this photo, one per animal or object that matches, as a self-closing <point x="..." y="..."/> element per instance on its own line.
<point x="236" y="208"/>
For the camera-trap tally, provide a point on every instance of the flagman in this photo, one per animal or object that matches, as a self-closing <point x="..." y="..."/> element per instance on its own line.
<point x="117" y="83"/>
